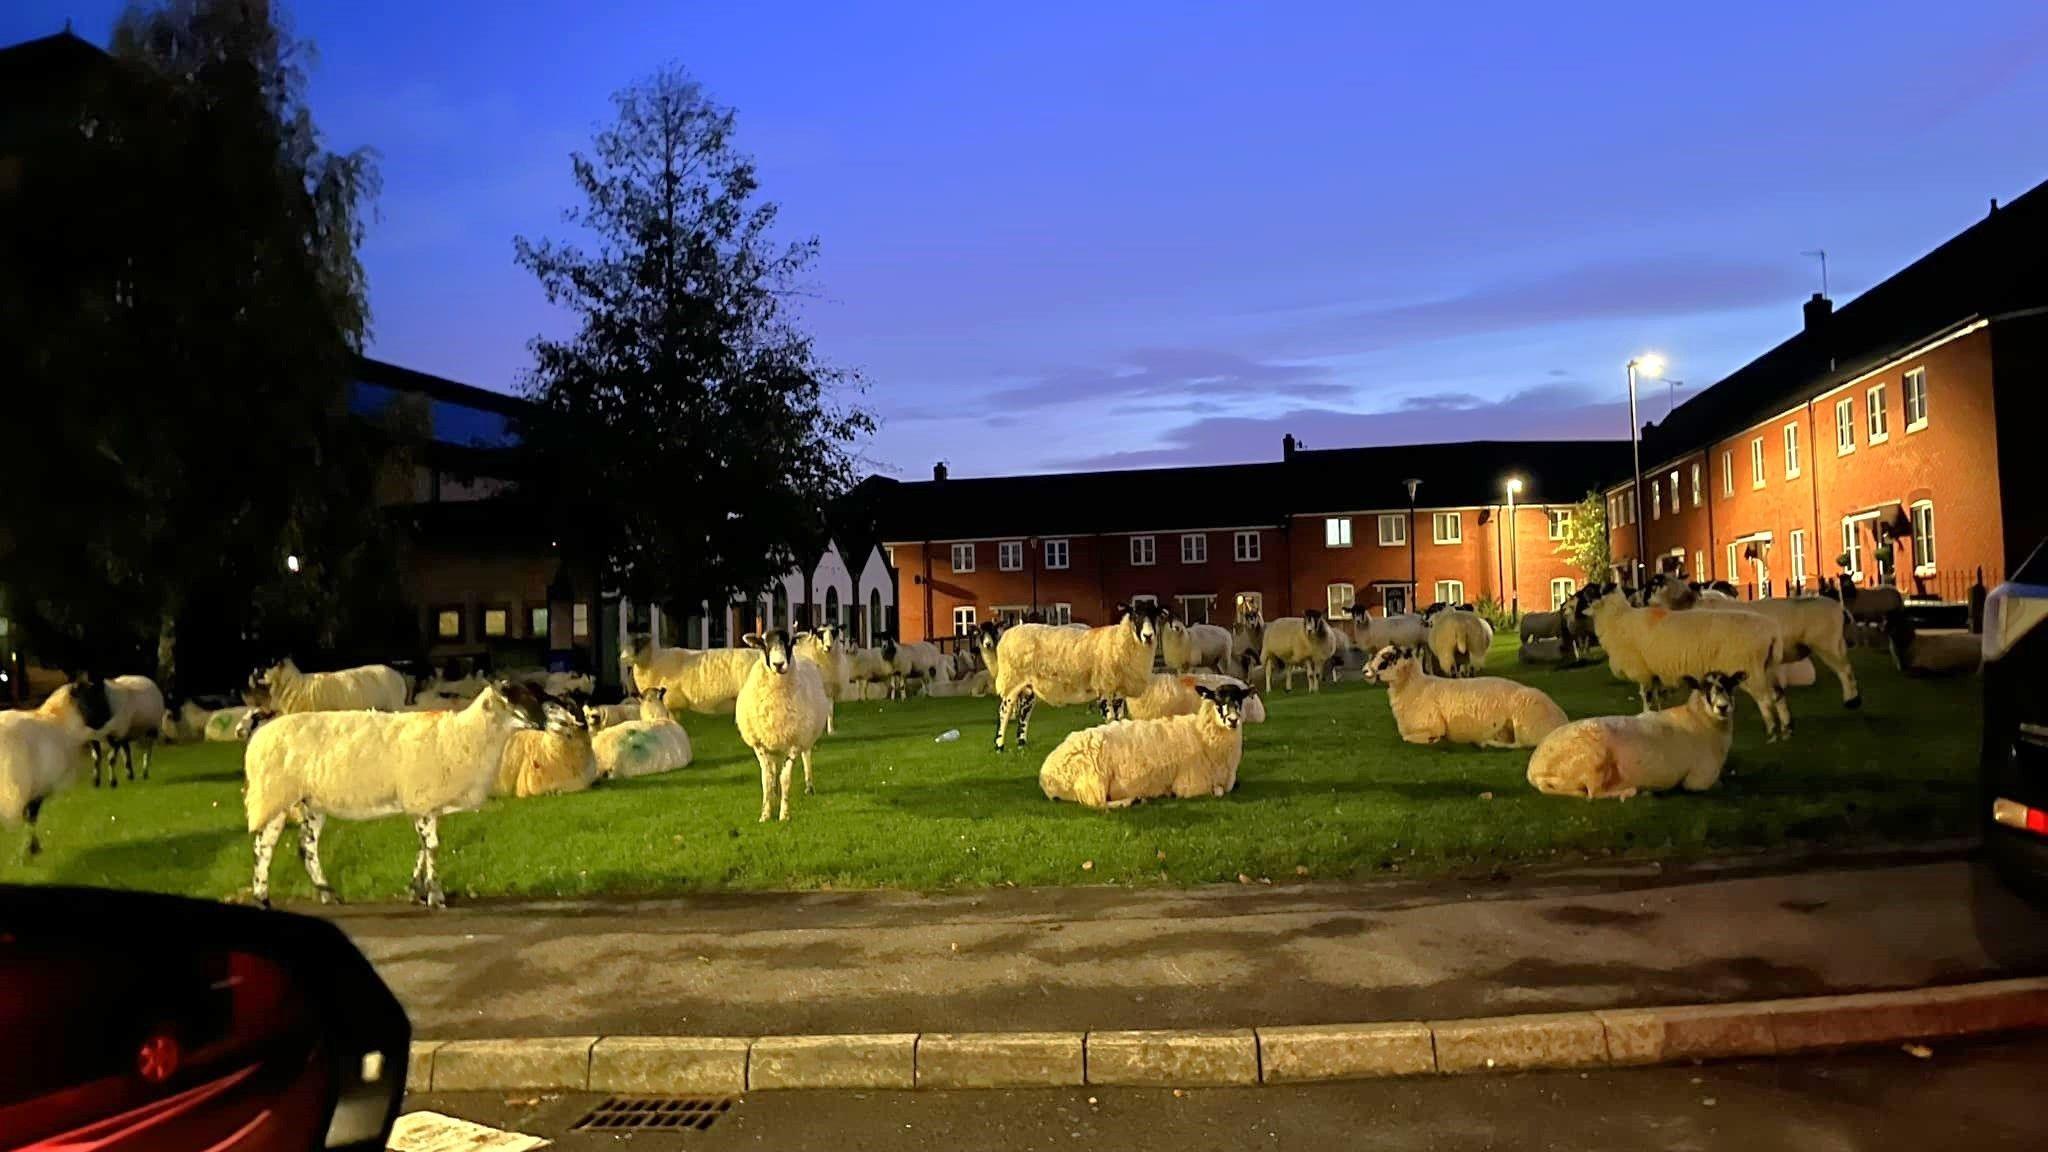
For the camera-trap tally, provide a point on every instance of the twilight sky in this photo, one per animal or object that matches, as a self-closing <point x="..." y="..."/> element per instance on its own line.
<point x="1062" y="235"/>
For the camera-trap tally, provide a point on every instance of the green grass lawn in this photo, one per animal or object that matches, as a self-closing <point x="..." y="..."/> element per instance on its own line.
<point x="1325" y="786"/>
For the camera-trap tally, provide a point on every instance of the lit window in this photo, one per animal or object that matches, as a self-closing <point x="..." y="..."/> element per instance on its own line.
<point x="1923" y="538"/>
<point x="963" y="620"/>
<point x="1337" y="532"/>
<point x="1656" y="499"/>
<point x="1561" y="589"/>
<point x="1699" y="565"/>
<point x="1559" y="520"/>
<point x="1732" y="573"/>
<point x="1450" y="591"/>
<point x="1060" y="613"/>
<point x="579" y="621"/>
<point x="1798" y="542"/>
<point x="963" y="558"/>
<point x="1699" y="494"/>
<point x="1916" y="399"/>
<point x="1449" y="527"/>
<point x="1727" y="474"/>
<point x="1393" y="529"/>
<point x="1055" y="554"/>
<point x="1845" y="425"/>
<point x="1880" y="427"/>
<point x="1249" y="603"/>
<point x="1245" y="546"/>
<point x="1791" y="451"/>
<point x="1194" y="548"/>
<point x="497" y="621"/>
<point x="1674" y="492"/>
<point x="1756" y="462"/>
<point x="1010" y="556"/>
<point x="537" y="622"/>
<point x="1144" y="550"/>
<point x="1339" y="598"/>
<point x="448" y="624"/>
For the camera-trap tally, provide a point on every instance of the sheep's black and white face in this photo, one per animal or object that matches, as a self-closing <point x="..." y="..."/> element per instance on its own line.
<point x="525" y="705"/>
<point x="774" y="646"/>
<point x="1316" y="620"/>
<point x="829" y="636"/>
<point x="888" y="648"/>
<point x="562" y="717"/>
<point x="1146" y="619"/>
<point x="1718" y="693"/>
<point x="89" y="700"/>
<point x="1383" y="663"/>
<point x="1228" y="703"/>
<point x="988" y="635"/>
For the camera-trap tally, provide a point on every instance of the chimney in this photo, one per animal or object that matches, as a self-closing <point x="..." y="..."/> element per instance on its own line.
<point x="1817" y="311"/>
<point x="1994" y="206"/>
<point x="939" y="470"/>
<point x="1287" y="446"/>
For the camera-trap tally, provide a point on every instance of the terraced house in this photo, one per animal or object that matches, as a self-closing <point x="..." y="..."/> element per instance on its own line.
<point x="1887" y="439"/>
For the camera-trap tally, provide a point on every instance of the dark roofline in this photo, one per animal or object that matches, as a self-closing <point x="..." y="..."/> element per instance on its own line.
<point x="441" y="388"/>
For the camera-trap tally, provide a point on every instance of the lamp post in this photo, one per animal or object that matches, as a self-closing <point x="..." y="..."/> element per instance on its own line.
<point x="1413" y="485"/>
<point x="1652" y="366"/>
<point x="1514" y="554"/>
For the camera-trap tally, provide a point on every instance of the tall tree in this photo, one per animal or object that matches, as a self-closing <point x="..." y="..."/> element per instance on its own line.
<point x="181" y="280"/>
<point x="691" y="430"/>
<point x="1585" y="541"/>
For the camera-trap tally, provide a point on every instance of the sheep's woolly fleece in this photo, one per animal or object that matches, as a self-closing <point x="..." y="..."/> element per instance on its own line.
<point x="1646" y="645"/>
<point x="1618" y="756"/>
<point x="1185" y="647"/>
<point x="372" y="686"/>
<point x="1289" y="643"/>
<point x="1173" y="694"/>
<point x="696" y="681"/>
<point x="1490" y="711"/>
<point x="1459" y="640"/>
<point x="1116" y="764"/>
<point x="1065" y="666"/>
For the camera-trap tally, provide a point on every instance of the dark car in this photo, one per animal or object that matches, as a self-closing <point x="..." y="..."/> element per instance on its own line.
<point x="2015" y="755"/>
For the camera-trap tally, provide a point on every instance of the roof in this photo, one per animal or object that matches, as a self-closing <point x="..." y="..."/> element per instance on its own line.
<point x="1242" y="495"/>
<point x="440" y="388"/>
<point x="1995" y="266"/>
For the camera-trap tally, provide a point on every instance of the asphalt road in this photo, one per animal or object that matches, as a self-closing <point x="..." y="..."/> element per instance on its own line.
<point x="1977" y="1096"/>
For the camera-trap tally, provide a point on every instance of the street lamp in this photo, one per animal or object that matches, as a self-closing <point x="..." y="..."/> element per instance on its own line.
<point x="1514" y="554"/>
<point x="291" y="562"/>
<point x="1650" y="365"/>
<point x="1412" y="591"/>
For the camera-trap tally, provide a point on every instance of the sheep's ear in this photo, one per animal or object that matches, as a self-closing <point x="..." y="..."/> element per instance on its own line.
<point x="751" y="639"/>
<point x="1735" y="681"/>
<point x="1693" y="683"/>
<point x="1205" y="692"/>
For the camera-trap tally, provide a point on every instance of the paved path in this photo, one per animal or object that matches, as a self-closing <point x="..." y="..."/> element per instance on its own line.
<point x="1102" y="958"/>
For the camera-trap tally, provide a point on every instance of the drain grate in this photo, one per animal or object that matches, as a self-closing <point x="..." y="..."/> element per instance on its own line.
<point x="654" y="1114"/>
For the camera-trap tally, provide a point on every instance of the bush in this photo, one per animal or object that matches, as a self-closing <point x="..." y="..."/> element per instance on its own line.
<point x="1495" y="613"/>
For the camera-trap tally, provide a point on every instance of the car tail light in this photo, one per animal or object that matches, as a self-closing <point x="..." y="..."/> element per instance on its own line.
<point x="2014" y="814"/>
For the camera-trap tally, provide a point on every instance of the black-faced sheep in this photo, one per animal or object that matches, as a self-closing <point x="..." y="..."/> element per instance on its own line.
<point x="1490" y="711"/>
<point x="781" y="714"/>
<point x="41" y="751"/>
<point x="1618" y="756"/>
<point x="1116" y="765"/>
<point x="1304" y="641"/>
<point x="1064" y="666"/>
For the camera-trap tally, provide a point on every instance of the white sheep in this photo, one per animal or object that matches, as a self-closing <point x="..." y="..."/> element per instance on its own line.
<point x="602" y="716"/>
<point x="1248" y="632"/>
<point x="362" y="765"/>
<point x="651" y="744"/>
<point x="1186" y="647"/>
<point x="1459" y="641"/>
<point x="866" y="668"/>
<point x="1373" y="633"/>
<point x="41" y="751"/>
<point x="1306" y="640"/>
<point x="137" y="713"/>
<point x="1807" y="626"/>
<point x="1654" y="647"/>
<point x="1118" y="764"/>
<point x="1062" y="666"/>
<point x="706" y="680"/>
<point x="917" y="660"/>
<point x="1932" y="652"/>
<point x="1178" y="694"/>
<point x="1618" y="756"/>
<point x="286" y="690"/>
<point x="225" y="726"/>
<point x="187" y="724"/>
<point x="781" y="714"/>
<point x="1490" y="711"/>
<point x="553" y="760"/>
<point x="825" y="650"/>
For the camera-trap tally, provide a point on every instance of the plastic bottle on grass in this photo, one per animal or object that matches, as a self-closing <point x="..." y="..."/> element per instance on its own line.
<point x="947" y="737"/>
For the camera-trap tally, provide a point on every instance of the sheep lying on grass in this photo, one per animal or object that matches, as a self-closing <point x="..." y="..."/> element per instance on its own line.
<point x="1490" y="711"/>
<point x="362" y="765"/>
<point x="1178" y="694"/>
<point x="136" y="707"/>
<point x="867" y="667"/>
<point x="1932" y="652"/>
<point x="782" y="712"/>
<point x="1618" y="756"/>
<point x="696" y="681"/>
<point x="825" y="650"/>
<point x="552" y="760"/>
<point x="1186" y="647"/>
<point x="1459" y="640"/>
<point x="284" y="689"/>
<point x="599" y="717"/>
<point x="41" y="751"/>
<point x="1116" y="765"/>
<point x="648" y="745"/>
<point x="228" y="725"/>
<point x="1064" y="666"/>
<point x="1654" y="647"/>
<point x="1807" y="626"/>
<point x="1305" y="640"/>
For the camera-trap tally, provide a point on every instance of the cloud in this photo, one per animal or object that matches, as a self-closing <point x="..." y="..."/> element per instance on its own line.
<point x="1188" y="374"/>
<point x="1541" y="412"/>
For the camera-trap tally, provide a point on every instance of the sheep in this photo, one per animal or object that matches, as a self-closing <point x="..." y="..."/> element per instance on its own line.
<point x="867" y="666"/>
<point x="697" y="680"/>
<point x="1305" y="640"/>
<point x="41" y="750"/>
<point x="825" y="650"/>
<point x="781" y="714"/>
<point x="599" y="717"/>
<point x="553" y="760"/>
<point x="1459" y="640"/>
<point x="1684" y="746"/>
<point x="917" y="660"/>
<point x="1656" y="646"/>
<point x="362" y="765"/>
<point x="1341" y="648"/>
<point x="1376" y="632"/>
<point x="651" y="744"/>
<point x="1490" y="711"/>
<point x="1869" y="608"/>
<point x="225" y="725"/>
<point x="987" y="635"/>
<point x="1248" y="634"/>
<point x="1116" y="765"/>
<point x="138" y="714"/>
<point x="1536" y="626"/>
<point x="1932" y="652"/>
<point x="1061" y="666"/>
<point x="1174" y="694"/>
<point x="1807" y="626"/>
<point x="1186" y="647"/>
<point x="287" y="690"/>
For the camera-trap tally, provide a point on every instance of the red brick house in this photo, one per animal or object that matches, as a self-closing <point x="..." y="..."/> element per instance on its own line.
<point x="1896" y="419"/>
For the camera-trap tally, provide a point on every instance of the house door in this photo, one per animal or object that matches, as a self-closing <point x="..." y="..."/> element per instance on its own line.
<point x="1394" y="600"/>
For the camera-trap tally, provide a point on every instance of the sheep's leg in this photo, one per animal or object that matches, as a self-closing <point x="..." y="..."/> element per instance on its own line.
<point x="1766" y="705"/>
<point x="1703" y="777"/>
<point x="95" y="746"/>
<point x="309" y="854"/>
<point x="808" y="790"/>
<point x="1649" y="691"/>
<point x="788" y="768"/>
<point x="1838" y="663"/>
<point x="426" y="883"/>
<point x="148" y="754"/>
<point x="127" y="758"/>
<point x="767" y="785"/>
<point x="1005" y="707"/>
<point x="266" y="843"/>
<point x="29" y="812"/>
<point x="1025" y="703"/>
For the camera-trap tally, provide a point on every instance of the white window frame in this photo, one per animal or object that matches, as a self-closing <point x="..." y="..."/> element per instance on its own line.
<point x="1144" y="598"/>
<point x="1457" y="589"/>
<point x="1557" y="522"/>
<point x="1913" y="510"/>
<point x="1677" y="501"/>
<point x="1010" y="556"/>
<point x="1194" y="547"/>
<point x="1398" y="521"/>
<point x="1756" y="462"/>
<point x="1059" y="612"/>
<point x="1791" y="451"/>
<point x="579" y="621"/>
<point x="1914" y="385"/>
<point x="1734" y="573"/>
<point x="963" y="552"/>
<point x="1456" y="520"/>
<point x="1245" y="547"/>
<point x="1007" y="614"/>
<point x="1727" y="474"/>
<point x="1144" y="551"/>
<point x="1336" y="591"/>
<point x="1208" y="599"/>
<point x="963" y="619"/>
<point x="1845" y="425"/>
<point x="1796" y="542"/>
<point x="1561" y="589"/>
<point x="1699" y="492"/>
<point x="1656" y="499"/>
<point x="1852" y="541"/>
<point x="1059" y="545"/>
<point x="1700" y="571"/>
<point x="1878" y="422"/>
<point x="1336" y="531"/>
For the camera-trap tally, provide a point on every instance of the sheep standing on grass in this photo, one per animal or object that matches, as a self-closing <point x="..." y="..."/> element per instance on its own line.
<point x="1490" y="711"/>
<point x="867" y="667"/>
<point x="137" y="713"/>
<point x="1373" y="633"/>
<point x="1116" y="765"/>
<point x="284" y="689"/>
<point x="1618" y="756"/>
<point x="362" y="765"/>
<point x="650" y="744"/>
<point x="917" y="660"/>
<point x="1305" y="640"/>
<point x="1063" y="666"/>
<point x="696" y="681"/>
<point x="1808" y="626"/>
<point x="1459" y="640"/>
<point x="1186" y="647"/>
<point x="1655" y="647"/>
<point x="1179" y="694"/>
<point x="825" y="650"/>
<point x="41" y="751"/>
<point x="553" y="760"/>
<point x="781" y="714"/>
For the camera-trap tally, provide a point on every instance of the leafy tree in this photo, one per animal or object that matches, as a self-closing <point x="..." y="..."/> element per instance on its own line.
<point x="179" y="278"/>
<point x="691" y="431"/>
<point x="1585" y="541"/>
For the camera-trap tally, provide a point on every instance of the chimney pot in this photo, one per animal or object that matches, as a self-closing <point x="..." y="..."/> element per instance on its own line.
<point x="1817" y="310"/>
<point x="1287" y="446"/>
<point x="1994" y="206"/>
<point x="939" y="470"/>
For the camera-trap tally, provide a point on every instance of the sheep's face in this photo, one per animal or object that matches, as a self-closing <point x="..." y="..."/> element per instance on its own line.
<point x="987" y="635"/>
<point x="522" y="704"/>
<point x="888" y="649"/>
<point x="1381" y="668"/>
<point x="1716" y="693"/>
<point x="1227" y="703"/>
<point x="774" y="646"/>
<point x="829" y="636"/>
<point x="1316" y="621"/>
<point x="561" y="717"/>
<point x="86" y="696"/>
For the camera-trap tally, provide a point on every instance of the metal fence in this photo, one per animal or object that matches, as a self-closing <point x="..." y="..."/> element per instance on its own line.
<point x="1949" y="586"/>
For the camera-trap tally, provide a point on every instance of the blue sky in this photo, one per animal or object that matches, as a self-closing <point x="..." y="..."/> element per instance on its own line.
<point x="1076" y="235"/>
